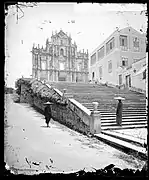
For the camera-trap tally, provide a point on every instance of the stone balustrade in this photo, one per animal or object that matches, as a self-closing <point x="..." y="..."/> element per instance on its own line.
<point x="137" y="90"/>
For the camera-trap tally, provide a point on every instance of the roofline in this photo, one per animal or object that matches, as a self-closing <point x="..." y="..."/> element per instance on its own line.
<point x="109" y="39"/>
<point x="103" y="42"/>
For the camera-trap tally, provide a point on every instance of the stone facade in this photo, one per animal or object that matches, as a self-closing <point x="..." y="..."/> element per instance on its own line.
<point x="59" y="60"/>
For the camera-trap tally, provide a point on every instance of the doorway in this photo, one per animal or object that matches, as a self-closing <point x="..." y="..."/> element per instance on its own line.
<point x="128" y="81"/>
<point x="120" y="79"/>
<point x="93" y="75"/>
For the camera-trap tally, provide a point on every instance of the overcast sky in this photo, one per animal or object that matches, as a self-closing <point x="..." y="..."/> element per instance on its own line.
<point x="93" y="24"/>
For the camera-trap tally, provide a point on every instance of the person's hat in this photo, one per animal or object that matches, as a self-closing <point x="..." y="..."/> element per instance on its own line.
<point x="48" y="103"/>
<point x="119" y="98"/>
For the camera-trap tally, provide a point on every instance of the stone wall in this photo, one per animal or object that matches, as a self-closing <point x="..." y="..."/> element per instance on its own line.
<point x="71" y="115"/>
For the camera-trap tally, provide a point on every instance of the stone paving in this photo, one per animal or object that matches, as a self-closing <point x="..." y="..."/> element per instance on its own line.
<point x="137" y="133"/>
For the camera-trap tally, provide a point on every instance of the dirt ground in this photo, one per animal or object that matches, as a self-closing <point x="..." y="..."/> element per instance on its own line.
<point x="30" y="147"/>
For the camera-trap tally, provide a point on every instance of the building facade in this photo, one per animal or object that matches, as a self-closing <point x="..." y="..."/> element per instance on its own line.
<point x="115" y="59"/>
<point x="60" y="60"/>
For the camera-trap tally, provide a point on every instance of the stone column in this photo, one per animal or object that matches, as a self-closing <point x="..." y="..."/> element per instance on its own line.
<point x="95" y="123"/>
<point x="48" y="72"/>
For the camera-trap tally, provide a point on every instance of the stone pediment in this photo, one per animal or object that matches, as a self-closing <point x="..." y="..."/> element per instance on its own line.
<point x="61" y="34"/>
<point x="133" y="31"/>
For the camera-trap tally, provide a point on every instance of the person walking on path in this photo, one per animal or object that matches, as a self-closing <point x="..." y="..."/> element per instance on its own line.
<point x="119" y="111"/>
<point x="47" y="113"/>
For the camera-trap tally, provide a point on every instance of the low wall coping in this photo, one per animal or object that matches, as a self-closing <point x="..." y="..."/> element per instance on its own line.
<point x="80" y="106"/>
<point x="48" y="86"/>
<point x="58" y="91"/>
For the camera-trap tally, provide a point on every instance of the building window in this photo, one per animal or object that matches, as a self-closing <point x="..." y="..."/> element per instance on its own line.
<point x="120" y="79"/>
<point x="73" y="51"/>
<point x="79" y="67"/>
<point x="100" y="72"/>
<point x="61" y="66"/>
<point x="62" y="52"/>
<point x="136" y="44"/>
<point x="101" y="53"/>
<point x="110" y="66"/>
<point x="123" y="40"/>
<point x="93" y="59"/>
<point x="144" y="74"/>
<point x="123" y="43"/>
<point x="43" y="65"/>
<point x="61" y="42"/>
<point x="110" y="45"/>
<point x="124" y="61"/>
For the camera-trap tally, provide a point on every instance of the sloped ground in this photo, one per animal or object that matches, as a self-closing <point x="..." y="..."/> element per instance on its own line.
<point x="30" y="147"/>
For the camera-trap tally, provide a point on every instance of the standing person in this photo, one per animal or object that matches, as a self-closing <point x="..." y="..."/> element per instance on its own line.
<point x="119" y="113"/>
<point x="47" y="113"/>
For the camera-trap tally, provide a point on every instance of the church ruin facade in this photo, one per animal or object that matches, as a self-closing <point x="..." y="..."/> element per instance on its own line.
<point x="60" y="60"/>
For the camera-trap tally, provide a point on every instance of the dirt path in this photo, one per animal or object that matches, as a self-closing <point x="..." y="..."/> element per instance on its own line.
<point x="31" y="147"/>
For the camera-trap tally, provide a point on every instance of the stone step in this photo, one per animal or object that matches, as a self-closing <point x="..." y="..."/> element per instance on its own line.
<point x="124" y="127"/>
<point x="127" y="138"/>
<point x="124" y="123"/>
<point x="123" y="120"/>
<point x="128" y="117"/>
<point x="110" y="114"/>
<point x="115" y="105"/>
<point x="123" y="145"/>
<point x="124" y="110"/>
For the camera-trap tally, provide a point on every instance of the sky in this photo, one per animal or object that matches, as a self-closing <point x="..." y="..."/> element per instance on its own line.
<point x="93" y="24"/>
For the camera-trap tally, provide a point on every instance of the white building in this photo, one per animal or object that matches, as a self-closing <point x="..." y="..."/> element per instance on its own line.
<point x="119" y="59"/>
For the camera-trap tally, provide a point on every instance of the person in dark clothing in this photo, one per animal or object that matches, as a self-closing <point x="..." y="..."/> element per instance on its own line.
<point x="119" y="113"/>
<point x="47" y="113"/>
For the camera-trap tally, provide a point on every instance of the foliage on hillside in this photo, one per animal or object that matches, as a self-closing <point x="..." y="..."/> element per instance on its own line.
<point x="38" y="89"/>
<point x="8" y="90"/>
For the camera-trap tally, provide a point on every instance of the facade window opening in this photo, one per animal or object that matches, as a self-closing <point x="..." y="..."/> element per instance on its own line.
<point x="124" y="61"/>
<point x="61" y="42"/>
<point x="43" y="65"/>
<point x="62" y="52"/>
<point x="61" y="66"/>
<point x="93" y="59"/>
<point x="100" y="72"/>
<point x="110" y="66"/>
<point x="144" y="74"/>
<point x="101" y="53"/>
<point x="120" y="79"/>
<point x="93" y="75"/>
<point x="123" y="41"/>
<point x="136" y="44"/>
<point x="110" y="45"/>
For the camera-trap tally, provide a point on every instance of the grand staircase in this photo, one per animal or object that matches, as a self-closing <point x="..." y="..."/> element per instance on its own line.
<point x="134" y="106"/>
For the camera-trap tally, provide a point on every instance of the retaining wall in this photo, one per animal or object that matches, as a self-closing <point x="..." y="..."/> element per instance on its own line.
<point x="73" y="115"/>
